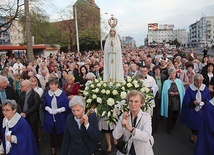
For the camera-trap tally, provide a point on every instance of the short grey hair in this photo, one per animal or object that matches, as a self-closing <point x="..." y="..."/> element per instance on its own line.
<point x="170" y="70"/>
<point x="77" y="100"/>
<point x="3" y="79"/>
<point x="10" y="102"/>
<point x="90" y="75"/>
<point x="198" y="77"/>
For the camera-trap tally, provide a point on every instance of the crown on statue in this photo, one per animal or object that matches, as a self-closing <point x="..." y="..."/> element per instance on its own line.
<point x="112" y="22"/>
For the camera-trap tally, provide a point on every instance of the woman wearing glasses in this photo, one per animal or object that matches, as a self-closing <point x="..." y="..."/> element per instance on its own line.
<point x="17" y="137"/>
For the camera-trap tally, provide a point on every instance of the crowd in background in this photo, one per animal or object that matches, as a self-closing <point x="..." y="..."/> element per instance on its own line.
<point x="73" y="70"/>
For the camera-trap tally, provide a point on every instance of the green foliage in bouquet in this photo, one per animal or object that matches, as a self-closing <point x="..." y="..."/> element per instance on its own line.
<point x="111" y="97"/>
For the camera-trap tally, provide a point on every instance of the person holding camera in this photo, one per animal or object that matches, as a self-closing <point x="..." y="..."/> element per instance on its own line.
<point x="135" y="127"/>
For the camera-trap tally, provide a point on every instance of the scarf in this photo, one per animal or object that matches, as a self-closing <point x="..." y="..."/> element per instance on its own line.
<point x="54" y="94"/>
<point x="9" y="124"/>
<point x="198" y="94"/>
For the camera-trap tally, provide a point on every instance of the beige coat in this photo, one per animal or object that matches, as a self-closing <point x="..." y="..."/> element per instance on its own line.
<point x="142" y="140"/>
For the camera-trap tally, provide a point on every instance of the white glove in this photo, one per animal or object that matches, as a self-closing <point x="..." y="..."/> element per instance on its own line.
<point x="60" y="110"/>
<point x="51" y="111"/>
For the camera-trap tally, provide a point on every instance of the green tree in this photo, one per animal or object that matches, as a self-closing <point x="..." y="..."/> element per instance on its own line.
<point x="89" y="39"/>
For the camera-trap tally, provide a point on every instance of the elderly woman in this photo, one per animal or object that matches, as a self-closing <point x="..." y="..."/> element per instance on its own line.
<point x="135" y="126"/>
<point x="171" y="99"/>
<point x="81" y="134"/>
<point x="71" y="88"/>
<point x="17" y="137"/>
<point x="56" y="110"/>
<point x="196" y="97"/>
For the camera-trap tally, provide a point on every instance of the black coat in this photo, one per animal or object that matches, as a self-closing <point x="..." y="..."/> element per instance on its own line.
<point x="33" y="103"/>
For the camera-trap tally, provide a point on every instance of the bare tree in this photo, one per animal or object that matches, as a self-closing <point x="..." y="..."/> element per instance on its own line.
<point x="9" y="11"/>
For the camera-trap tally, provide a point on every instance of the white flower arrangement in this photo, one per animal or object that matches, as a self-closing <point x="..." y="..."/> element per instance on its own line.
<point x="110" y="97"/>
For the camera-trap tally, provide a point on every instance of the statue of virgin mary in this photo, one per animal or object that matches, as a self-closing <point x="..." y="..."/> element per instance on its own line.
<point x="113" y="66"/>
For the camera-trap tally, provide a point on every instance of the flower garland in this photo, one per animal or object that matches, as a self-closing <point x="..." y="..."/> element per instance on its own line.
<point x="111" y="97"/>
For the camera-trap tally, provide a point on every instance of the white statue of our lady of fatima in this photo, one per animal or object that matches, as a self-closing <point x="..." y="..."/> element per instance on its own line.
<point x="113" y="65"/>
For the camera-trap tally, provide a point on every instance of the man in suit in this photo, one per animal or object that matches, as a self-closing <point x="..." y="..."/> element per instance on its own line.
<point x="28" y="107"/>
<point x="6" y="92"/>
<point x="97" y="70"/>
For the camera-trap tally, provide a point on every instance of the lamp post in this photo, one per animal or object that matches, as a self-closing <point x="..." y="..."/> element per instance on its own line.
<point x="77" y="33"/>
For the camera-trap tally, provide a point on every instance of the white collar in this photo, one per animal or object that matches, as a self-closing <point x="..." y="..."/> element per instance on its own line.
<point x="56" y="93"/>
<point x="212" y="101"/>
<point x="11" y="123"/>
<point x="194" y="88"/>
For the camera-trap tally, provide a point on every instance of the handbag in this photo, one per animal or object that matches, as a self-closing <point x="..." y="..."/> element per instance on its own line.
<point x="100" y="150"/>
<point x="122" y="145"/>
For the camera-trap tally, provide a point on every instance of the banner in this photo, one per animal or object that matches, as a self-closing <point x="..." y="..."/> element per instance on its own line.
<point x="153" y="26"/>
<point x="166" y="26"/>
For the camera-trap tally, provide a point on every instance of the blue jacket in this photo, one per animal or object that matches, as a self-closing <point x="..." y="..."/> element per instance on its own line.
<point x="165" y="96"/>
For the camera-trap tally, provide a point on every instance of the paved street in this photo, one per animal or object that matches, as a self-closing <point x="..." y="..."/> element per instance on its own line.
<point x="175" y="144"/>
<point x="199" y="51"/>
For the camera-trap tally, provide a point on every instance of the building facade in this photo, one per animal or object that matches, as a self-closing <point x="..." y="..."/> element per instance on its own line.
<point x="128" y="42"/>
<point x="163" y="36"/>
<point x="16" y="33"/>
<point x="201" y="33"/>
<point x="4" y="36"/>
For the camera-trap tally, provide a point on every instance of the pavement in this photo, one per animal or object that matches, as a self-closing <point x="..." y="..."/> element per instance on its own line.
<point x="175" y="144"/>
<point x="199" y="51"/>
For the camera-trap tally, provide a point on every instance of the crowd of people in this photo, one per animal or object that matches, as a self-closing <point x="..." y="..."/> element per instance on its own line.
<point x="40" y="95"/>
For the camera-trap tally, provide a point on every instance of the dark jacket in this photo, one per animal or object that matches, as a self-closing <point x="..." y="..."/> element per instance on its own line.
<point x="33" y="103"/>
<point x="80" y="141"/>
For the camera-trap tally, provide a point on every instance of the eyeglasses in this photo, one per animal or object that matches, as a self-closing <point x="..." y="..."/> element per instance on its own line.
<point x="6" y="110"/>
<point x="22" y="86"/>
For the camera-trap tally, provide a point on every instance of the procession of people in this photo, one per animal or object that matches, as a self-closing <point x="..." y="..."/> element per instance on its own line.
<point x="46" y="95"/>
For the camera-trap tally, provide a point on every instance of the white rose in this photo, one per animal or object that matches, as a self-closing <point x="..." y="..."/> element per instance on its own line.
<point x="135" y="82"/>
<point x="111" y="84"/>
<point x="103" y="91"/>
<point x="98" y="85"/>
<point x="89" y="100"/>
<point x="114" y="92"/>
<point x="110" y="101"/>
<point x="144" y="90"/>
<point x="96" y="80"/>
<point x="123" y="95"/>
<point x="85" y="93"/>
<point x="129" y="79"/>
<point x="101" y="82"/>
<point x="92" y="85"/>
<point x="96" y="90"/>
<point x="123" y="88"/>
<point x="107" y="92"/>
<point x="94" y="96"/>
<point x="99" y="100"/>
<point x="86" y="88"/>
<point x="118" y="85"/>
<point x="104" y="85"/>
<point x="129" y="85"/>
<point x="136" y="85"/>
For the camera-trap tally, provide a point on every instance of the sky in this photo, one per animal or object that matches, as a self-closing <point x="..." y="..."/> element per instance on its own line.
<point x="134" y="15"/>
